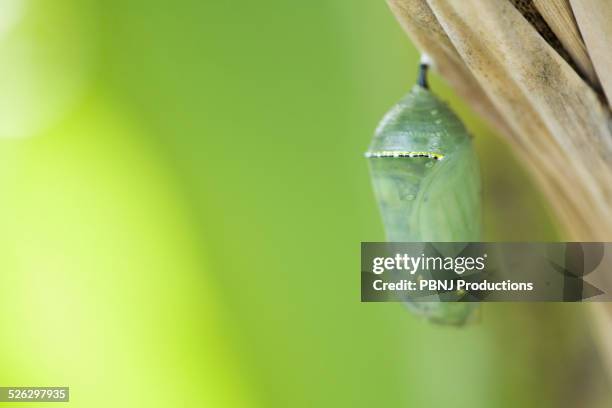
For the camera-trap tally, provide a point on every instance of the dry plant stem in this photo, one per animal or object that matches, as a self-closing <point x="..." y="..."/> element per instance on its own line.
<point x="594" y="19"/>
<point x="560" y="18"/>
<point x="557" y="123"/>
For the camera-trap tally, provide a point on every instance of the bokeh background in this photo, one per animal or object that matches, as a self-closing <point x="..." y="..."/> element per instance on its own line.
<point x="182" y="199"/>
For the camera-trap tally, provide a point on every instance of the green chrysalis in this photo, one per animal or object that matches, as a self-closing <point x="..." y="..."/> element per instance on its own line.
<point x="427" y="182"/>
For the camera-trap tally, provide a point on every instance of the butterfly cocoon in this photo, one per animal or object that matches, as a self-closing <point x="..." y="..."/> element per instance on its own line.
<point x="426" y="181"/>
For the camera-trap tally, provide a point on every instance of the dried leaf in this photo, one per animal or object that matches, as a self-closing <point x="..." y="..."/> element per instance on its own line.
<point x="558" y="14"/>
<point x="528" y="9"/>
<point x="556" y="116"/>
<point x="594" y="19"/>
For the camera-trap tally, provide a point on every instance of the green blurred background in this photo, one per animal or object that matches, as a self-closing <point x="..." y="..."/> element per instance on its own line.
<point x="183" y="195"/>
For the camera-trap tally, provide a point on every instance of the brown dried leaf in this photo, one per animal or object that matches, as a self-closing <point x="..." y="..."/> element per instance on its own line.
<point x="558" y="14"/>
<point x="594" y="19"/>
<point x="557" y="117"/>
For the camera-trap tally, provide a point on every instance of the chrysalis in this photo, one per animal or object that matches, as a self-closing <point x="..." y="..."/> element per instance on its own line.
<point x="427" y="182"/>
